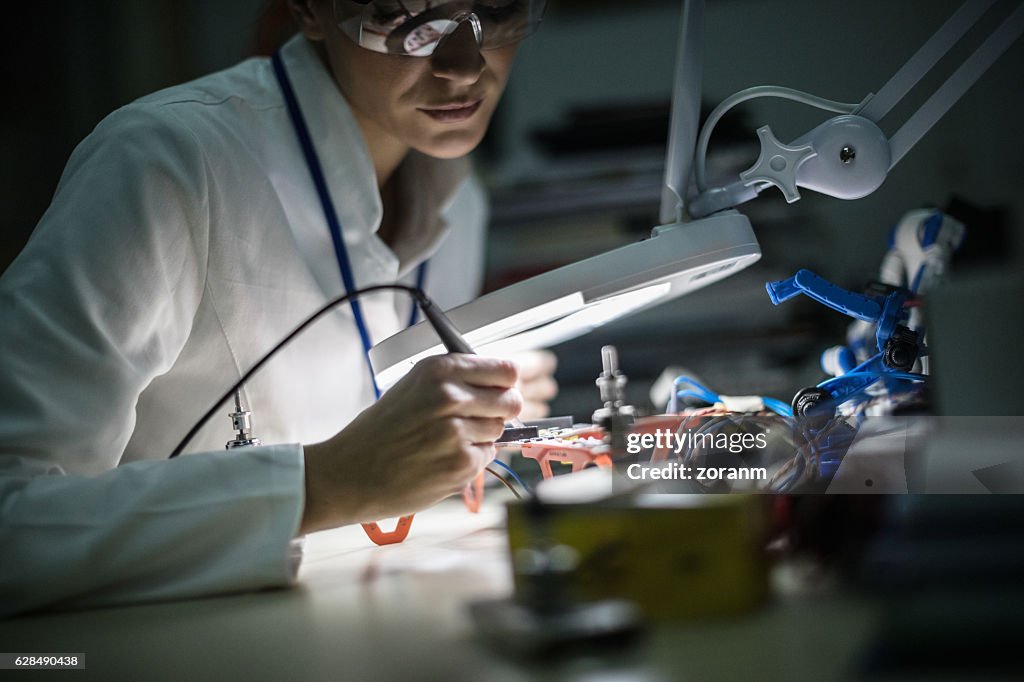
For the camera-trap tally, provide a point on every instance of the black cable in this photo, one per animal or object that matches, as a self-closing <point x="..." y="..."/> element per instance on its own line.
<point x="421" y="298"/>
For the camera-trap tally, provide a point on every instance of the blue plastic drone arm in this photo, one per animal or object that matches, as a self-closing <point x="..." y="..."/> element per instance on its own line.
<point x="821" y="290"/>
<point x="782" y="290"/>
<point x="893" y="314"/>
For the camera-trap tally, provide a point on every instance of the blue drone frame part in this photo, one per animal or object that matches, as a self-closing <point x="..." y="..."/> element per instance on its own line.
<point x="867" y="308"/>
<point x="887" y="312"/>
<point x="838" y="360"/>
<point x="898" y="346"/>
<point x="854" y="384"/>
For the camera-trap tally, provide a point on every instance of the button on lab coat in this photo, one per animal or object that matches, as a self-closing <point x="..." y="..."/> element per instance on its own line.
<point x="184" y="240"/>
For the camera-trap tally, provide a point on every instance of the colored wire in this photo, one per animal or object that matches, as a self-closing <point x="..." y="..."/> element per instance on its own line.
<point x="703" y="397"/>
<point x="512" y="473"/>
<point x="697" y="390"/>
<point x="777" y="406"/>
<point x="861" y="366"/>
<point x="505" y="483"/>
<point x="702" y="392"/>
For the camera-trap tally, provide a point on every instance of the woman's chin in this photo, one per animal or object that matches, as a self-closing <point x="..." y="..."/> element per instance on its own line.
<point x="450" y="145"/>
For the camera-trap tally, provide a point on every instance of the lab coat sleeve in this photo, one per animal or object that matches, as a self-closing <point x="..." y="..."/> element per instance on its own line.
<point x="152" y="530"/>
<point x="99" y="303"/>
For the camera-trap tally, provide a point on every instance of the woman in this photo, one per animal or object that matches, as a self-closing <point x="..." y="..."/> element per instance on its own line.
<point x="190" y="232"/>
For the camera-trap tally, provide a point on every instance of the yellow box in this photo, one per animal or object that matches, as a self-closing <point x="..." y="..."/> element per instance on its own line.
<point x="675" y="556"/>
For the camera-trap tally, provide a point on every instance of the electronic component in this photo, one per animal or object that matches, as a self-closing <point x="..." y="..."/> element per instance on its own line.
<point x="515" y="433"/>
<point x="241" y="422"/>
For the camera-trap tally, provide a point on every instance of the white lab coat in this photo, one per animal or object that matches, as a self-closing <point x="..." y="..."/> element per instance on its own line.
<point x="184" y="240"/>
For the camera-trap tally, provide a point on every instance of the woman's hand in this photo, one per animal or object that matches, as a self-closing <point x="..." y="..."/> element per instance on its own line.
<point x="536" y="382"/>
<point x="425" y="439"/>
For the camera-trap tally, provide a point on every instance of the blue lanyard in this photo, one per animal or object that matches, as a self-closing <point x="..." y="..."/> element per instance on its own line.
<point x="340" y="252"/>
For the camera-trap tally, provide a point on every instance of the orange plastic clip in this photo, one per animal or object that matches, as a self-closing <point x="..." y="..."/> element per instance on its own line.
<point x="578" y="453"/>
<point x="379" y="537"/>
<point x="473" y="493"/>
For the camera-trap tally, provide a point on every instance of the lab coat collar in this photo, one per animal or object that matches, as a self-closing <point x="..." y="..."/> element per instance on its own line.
<point x="426" y="184"/>
<point x="344" y="157"/>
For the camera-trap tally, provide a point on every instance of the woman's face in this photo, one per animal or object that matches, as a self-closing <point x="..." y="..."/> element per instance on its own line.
<point x="440" y="105"/>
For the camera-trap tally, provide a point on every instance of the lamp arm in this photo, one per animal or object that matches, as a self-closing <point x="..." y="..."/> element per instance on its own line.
<point x="848" y="156"/>
<point x="685" y="117"/>
<point x="957" y="84"/>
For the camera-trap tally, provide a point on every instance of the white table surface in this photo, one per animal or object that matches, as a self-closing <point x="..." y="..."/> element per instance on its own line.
<point x="361" y="612"/>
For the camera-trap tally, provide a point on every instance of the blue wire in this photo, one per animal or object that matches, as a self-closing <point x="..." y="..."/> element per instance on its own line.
<point x="777" y="406"/>
<point x="707" y="395"/>
<point x="683" y="379"/>
<point x="862" y="365"/>
<point x="701" y="391"/>
<point x="511" y="473"/>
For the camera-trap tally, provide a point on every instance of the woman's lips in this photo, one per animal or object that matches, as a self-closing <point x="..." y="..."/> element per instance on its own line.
<point x="452" y="113"/>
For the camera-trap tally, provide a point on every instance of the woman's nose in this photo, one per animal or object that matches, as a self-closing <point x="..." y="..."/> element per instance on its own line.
<point x="458" y="56"/>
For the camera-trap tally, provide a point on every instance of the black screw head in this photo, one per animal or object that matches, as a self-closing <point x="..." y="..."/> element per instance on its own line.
<point x="814" y="406"/>
<point x="900" y="351"/>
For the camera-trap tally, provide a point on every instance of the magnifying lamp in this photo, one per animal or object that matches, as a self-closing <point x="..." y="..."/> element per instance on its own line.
<point x="847" y="157"/>
<point x="677" y="258"/>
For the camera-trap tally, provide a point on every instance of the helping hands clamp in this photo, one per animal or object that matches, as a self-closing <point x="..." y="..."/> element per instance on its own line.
<point x="898" y="346"/>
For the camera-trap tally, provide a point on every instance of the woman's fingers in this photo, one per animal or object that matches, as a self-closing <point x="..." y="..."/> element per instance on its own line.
<point x="535" y="364"/>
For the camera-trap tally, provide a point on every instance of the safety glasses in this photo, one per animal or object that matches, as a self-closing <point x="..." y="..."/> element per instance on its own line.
<point x="417" y="27"/>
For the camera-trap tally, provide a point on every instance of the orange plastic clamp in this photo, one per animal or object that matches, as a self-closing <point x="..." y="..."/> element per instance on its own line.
<point x="379" y="537"/>
<point x="473" y="493"/>
<point x="578" y="454"/>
